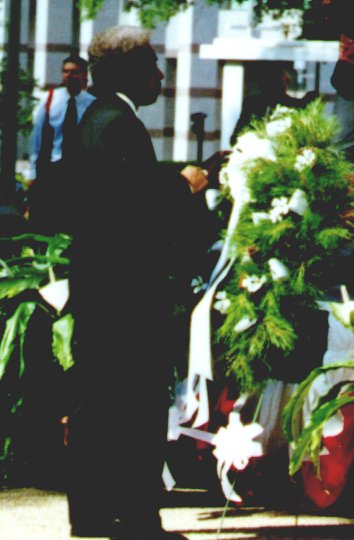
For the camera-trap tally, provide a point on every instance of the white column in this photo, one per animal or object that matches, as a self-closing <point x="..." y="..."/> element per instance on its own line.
<point x="232" y="97"/>
<point x="183" y="84"/>
<point x="40" y="42"/>
<point x="2" y="29"/>
<point x="86" y="34"/>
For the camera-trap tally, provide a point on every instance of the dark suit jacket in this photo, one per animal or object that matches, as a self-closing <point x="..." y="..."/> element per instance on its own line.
<point x="257" y="106"/>
<point x="135" y="238"/>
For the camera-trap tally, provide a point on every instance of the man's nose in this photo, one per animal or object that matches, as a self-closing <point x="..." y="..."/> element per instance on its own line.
<point x="160" y="74"/>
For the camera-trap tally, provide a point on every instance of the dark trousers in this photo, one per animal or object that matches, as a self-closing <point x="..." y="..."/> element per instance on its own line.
<point x="116" y="454"/>
<point x="48" y="213"/>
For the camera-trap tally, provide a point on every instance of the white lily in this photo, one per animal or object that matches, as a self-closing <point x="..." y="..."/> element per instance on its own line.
<point x="244" y="324"/>
<point x="343" y="311"/>
<point x="56" y="292"/>
<point x="280" y="207"/>
<point x="306" y="158"/>
<point x="278" y="269"/>
<point x="280" y="111"/>
<point x="223" y="303"/>
<point x="258" y="217"/>
<point x="298" y="202"/>
<point x="276" y="127"/>
<point x="198" y="284"/>
<point x="253" y="283"/>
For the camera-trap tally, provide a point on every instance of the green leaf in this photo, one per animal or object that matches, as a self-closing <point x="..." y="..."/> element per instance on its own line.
<point x="63" y="330"/>
<point x="6" y="449"/>
<point x="310" y="438"/>
<point x="15" y="329"/>
<point x="10" y="287"/>
<point x="16" y="406"/>
<point x="330" y="238"/>
<point x="58" y="244"/>
<point x="90" y="8"/>
<point x="280" y="332"/>
<point x="298" y="281"/>
<point x="293" y="407"/>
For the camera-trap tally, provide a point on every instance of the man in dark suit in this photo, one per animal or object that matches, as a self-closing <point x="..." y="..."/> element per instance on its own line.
<point x="135" y="244"/>
<point x="273" y="90"/>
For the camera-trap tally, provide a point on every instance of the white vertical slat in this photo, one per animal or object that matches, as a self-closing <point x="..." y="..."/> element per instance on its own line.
<point x="40" y="42"/>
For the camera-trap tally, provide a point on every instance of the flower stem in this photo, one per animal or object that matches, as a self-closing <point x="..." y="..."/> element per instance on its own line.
<point x="224" y="512"/>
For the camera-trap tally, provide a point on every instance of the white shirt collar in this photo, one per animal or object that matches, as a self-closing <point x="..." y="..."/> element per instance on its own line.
<point x="128" y="101"/>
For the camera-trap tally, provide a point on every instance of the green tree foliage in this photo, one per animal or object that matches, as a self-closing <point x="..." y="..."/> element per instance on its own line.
<point x="26" y="99"/>
<point x="152" y="12"/>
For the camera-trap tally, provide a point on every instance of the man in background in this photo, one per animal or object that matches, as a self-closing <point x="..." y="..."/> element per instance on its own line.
<point x="274" y="82"/>
<point x="343" y="76"/>
<point x="53" y="142"/>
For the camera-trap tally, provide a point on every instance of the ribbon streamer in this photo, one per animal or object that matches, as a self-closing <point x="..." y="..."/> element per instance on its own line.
<point x="200" y="358"/>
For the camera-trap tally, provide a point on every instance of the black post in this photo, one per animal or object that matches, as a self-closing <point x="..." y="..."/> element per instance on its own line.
<point x="75" y="28"/>
<point x="198" y="120"/>
<point x="10" y="104"/>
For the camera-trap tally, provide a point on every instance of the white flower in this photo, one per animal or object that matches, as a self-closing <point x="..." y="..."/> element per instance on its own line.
<point x="279" y="111"/>
<point x="249" y="147"/>
<point x="298" y="202"/>
<point x="305" y="159"/>
<point x="253" y="283"/>
<point x="234" y="445"/>
<point x="280" y="207"/>
<point x="276" y="127"/>
<point x="278" y="269"/>
<point x="244" y="324"/>
<point x="246" y="257"/>
<point x="56" y="293"/>
<point x="198" y="284"/>
<point x="257" y="217"/>
<point x="343" y="311"/>
<point x="223" y="303"/>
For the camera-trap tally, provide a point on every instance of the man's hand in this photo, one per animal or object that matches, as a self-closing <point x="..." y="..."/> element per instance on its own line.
<point x="65" y="423"/>
<point x="196" y="177"/>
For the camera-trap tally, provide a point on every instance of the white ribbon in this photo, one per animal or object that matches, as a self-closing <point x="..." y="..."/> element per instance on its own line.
<point x="167" y="478"/>
<point x="234" y="445"/>
<point x="200" y="357"/>
<point x="195" y="400"/>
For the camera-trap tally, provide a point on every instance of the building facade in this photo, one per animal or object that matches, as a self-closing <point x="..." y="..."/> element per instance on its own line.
<point x="210" y="56"/>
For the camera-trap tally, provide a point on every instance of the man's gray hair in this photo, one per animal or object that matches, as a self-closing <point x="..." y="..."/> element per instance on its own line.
<point x="108" y="48"/>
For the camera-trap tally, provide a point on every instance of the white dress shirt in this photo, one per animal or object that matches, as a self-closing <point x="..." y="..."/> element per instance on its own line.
<point x="57" y="113"/>
<point x="127" y="99"/>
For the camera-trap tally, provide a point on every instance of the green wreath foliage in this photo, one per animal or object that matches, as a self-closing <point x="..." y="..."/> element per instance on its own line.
<point x="264" y="307"/>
